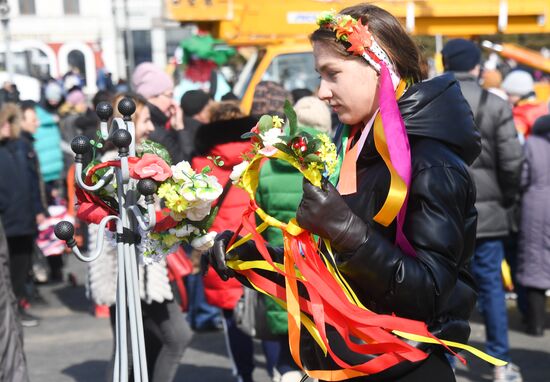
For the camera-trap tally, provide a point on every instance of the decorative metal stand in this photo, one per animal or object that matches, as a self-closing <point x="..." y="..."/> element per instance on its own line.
<point x="128" y="302"/>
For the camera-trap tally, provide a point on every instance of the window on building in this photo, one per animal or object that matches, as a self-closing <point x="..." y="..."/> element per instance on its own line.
<point x="27" y="7"/>
<point x="71" y="7"/>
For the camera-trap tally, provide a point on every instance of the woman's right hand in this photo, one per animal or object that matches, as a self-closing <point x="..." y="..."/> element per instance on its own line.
<point x="216" y="257"/>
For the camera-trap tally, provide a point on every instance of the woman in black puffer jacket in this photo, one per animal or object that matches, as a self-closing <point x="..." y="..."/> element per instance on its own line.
<point x="433" y="286"/>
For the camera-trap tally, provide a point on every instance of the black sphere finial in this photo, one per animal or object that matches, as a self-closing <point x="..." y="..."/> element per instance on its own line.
<point x="64" y="230"/>
<point x="126" y="107"/>
<point x="121" y="138"/>
<point x="147" y="187"/>
<point x="80" y="145"/>
<point x="104" y="111"/>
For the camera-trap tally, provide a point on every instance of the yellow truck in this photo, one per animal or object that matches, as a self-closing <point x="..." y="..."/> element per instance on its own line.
<point x="279" y="29"/>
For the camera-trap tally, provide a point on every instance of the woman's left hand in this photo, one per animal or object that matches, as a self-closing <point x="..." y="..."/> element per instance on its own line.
<point x="323" y="212"/>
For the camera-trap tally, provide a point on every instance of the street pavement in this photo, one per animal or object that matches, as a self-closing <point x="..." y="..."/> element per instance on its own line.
<point x="70" y="344"/>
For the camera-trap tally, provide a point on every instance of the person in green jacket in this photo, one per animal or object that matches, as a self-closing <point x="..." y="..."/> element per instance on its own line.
<point x="279" y="193"/>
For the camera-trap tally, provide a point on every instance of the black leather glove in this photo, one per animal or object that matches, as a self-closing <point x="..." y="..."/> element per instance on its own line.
<point x="217" y="256"/>
<point x="323" y="212"/>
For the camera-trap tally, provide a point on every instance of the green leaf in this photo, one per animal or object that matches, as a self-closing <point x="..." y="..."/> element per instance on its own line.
<point x="312" y="158"/>
<point x="291" y="116"/>
<point x="307" y="136"/>
<point x="221" y="163"/>
<point x="265" y="123"/>
<point x="284" y="148"/>
<point x="150" y="147"/>
<point x="249" y="135"/>
<point x="206" y="170"/>
<point x="313" y="145"/>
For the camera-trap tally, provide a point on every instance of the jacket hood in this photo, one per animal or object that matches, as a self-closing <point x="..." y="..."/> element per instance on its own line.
<point x="437" y="109"/>
<point x="220" y="132"/>
<point x="541" y="127"/>
<point x="223" y="139"/>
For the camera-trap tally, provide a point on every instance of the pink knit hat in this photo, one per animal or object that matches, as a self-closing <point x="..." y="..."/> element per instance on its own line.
<point x="150" y="81"/>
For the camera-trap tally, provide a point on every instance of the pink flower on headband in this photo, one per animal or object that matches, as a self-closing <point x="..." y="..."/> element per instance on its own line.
<point x="360" y="39"/>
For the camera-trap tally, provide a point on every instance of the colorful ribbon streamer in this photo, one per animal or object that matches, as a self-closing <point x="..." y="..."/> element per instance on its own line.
<point x="331" y="300"/>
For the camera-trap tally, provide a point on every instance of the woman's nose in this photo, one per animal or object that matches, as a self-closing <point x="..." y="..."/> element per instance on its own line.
<point x="324" y="92"/>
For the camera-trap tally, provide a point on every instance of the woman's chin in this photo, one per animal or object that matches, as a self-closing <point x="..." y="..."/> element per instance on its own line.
<point x="346" y="119"/>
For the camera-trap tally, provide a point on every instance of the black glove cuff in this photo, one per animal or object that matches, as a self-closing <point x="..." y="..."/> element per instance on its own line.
<point x="352" y="237"/>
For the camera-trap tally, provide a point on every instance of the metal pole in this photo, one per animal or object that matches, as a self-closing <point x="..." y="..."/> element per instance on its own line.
<point x="128" y="301"/>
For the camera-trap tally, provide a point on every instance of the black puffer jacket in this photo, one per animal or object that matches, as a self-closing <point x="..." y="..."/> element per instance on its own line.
<point x="434" y="286"/>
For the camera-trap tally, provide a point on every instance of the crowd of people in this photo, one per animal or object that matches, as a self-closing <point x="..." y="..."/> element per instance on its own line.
<point x="479" y="195"/>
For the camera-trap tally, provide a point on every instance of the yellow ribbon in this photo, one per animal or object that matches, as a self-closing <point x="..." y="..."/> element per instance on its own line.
<point x="398" y="189"/>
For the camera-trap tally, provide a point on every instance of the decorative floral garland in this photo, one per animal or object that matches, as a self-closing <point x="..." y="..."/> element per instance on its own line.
<point x="186" y="195"/>
<point x="313" y="156"/>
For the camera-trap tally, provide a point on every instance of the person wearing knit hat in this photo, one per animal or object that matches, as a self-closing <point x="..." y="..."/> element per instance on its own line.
<point x="53" y="93"/>
<point x="533" y="267"/>
<point x="519" y="83"/>
<point x="194" y="104"/>
<point x="313" y="112"/>
<point x="269" y="98"/>
<point x="151" y="81"/>
<point x="157" y="88"/>
<point x="497" y="183"/>
<point x="460" y="55"/>
<point x="520" y="87"/>
<point x="196" y="110"/>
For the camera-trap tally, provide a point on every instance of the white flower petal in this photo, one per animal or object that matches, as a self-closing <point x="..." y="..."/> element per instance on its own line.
<point x="202" y="243"/>
<point x="238" y="171"/>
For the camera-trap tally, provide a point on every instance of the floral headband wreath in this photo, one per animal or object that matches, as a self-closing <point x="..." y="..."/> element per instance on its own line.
<point x="361" y="40"/>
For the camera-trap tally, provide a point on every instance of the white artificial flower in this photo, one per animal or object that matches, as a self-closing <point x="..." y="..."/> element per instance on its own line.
<point x="198" y="212"/>
<point x="271" y="136"/>
<point x="202" y="243"/>
<point x="210" y="189"/>
<point x="184" y="231"/>
<point x="238" y="171"/>
<point x="188" y="193"/>
<point x="182" y="171"/>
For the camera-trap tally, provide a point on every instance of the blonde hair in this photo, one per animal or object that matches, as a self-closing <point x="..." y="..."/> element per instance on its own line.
<point x="12" y="114"/>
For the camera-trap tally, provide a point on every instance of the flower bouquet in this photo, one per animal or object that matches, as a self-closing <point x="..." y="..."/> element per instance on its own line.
<point x="314" y="156"/>
<point x="186" y="198"/>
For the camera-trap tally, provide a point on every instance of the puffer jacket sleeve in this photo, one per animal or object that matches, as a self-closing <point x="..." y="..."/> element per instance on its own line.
<point x="509" y="155"/>
<point x="437" y="214"/>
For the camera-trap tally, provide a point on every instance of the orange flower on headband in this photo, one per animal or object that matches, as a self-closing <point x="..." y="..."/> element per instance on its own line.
<point x="360" y="38"/>
<point x="344" y="27"/>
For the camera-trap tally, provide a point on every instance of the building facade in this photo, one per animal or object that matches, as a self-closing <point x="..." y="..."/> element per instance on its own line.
<point x="52" y="37"/>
